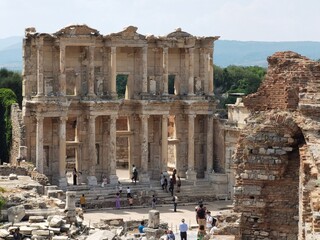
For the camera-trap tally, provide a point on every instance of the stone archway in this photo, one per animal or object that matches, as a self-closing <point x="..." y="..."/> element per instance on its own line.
<point x="267" y="176"/>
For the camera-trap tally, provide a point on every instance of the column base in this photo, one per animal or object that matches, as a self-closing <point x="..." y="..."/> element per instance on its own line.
<point x="191" y="175"/>
<point x="209" y="175"/>
<point x="63" y="183"/>
<point x="113" y="179"/>
<point x="113" y="95"/>
<point x="92" y="181"/>
<point x="144" y="178"/>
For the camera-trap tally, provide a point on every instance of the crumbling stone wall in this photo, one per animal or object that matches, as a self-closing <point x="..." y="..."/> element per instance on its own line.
<point x="18" y="133"/>
<point x="277" y="158"/>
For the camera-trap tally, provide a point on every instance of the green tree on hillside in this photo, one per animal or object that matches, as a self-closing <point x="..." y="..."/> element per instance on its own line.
<point x="7" y="98"/>
<point x="237" y="79"/>
<point x="12" y="80"/>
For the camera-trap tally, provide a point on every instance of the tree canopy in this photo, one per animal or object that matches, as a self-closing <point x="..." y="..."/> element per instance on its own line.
<point x="12" y="80"/>
<point x="237" y="79"/>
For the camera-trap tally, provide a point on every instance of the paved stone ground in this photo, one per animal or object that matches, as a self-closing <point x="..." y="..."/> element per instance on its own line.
<point x="166" y="215"/>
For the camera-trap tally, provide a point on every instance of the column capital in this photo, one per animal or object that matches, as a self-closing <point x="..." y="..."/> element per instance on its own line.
<point x="39" y="118"/>
<point x="63" y="118"/>
<point x="144" y="116"/>
<point x="113" y="49"/>
<point x="91" y="117"/>
<point x="165" y="116"/>
<point x="113" y="117"/>
<point x="165" y="50"/>
<point x="192" y="116"/>
<point x="191" y="50"/>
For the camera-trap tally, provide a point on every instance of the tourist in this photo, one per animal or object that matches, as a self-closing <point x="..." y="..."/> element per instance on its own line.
<point x="141" y="227"/>
<point x="201" y="234"/>
<point x="119" y="188"/>
<point x="130" y="200"/>
<point x="128" y="192"/>
<point x="174" y="176"/>
<point x="134" y="174"/>
<point x="175" y="203"/>
<point x="104" y="181"/>
<point x="154" y="201"/>
<point x="83" y="202"/>
<point x="201" y="215"/>
<point x="17" y="235"/>
<point x="165" y="184"/>
<point x="170" y="235"/>
<point x="183" y="228"/>
<point x="75" y="175"/>
<point x="162" y="181"/>
<point x="209" y="221"/>
<point x="171" y="186"/>
<point x="178" y="184"/>
<point x="118" y="201"/>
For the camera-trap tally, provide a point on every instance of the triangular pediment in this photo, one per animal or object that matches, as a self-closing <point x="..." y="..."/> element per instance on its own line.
<point x="128" y="33"/>
<point x="73" y="30"/>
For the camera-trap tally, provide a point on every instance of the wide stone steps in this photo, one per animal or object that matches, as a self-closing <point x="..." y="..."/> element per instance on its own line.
<point x="104" y="197"/>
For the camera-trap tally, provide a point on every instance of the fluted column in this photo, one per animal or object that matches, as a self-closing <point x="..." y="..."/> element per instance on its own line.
<point x="164" y="142"/>
<point x="113" y="150"/>
<point x="165" y="62"/>
<point x="39" y="145"/>
<point x="191" y="174"/>
<point x="113" y="67"/>
<point x="91" y="92"/>
<point x="62" y="152"/>
<point x="145" y="69"/>
<point x="191" y="72"/>
<point x="210" y="72"/>
<point x="144" y="176"/>
<point x="40" y="85"/>
<point x="92" y="180"/>
<point x="62" y="70"/>
<point x="209" y="145"/>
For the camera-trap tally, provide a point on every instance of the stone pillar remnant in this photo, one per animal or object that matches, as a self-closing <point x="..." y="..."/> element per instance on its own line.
<point x="164" y="143"/>
<point x="113" y="68"/>
<point x="92" y="180"/>
<point x="191" y="72"/>
<point x="209" y="145"/>
<point x="145" y="70"/>
<point x="144" y="176"/>
<point x="39" y="145"/>
<point x="91" y="92"/>
<point x="191" y="174"/>
<point x="113" y="150"/>
<point x="62" y="152"/>
<point x="62" y="69"/>
<point x="165" y="62"/>
<point x="40" y="67"/>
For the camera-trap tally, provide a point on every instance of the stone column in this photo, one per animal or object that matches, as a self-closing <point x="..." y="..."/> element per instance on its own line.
<point x="62" y="153"/>
<point x="113" y="150"/>
<point x="191" y="72"/>
<point x="40" y="85"/>
<point x="113" y="68"/>
<point x="62" y="70"/>
<point x="145" y="70"/>
<point x="39" y="144"/>
<point x="91" y="72"/>
<point x="165" y="75"/>
<point x="71" y="207"/>
<point x="191" y="174"/>
<point x="164" y="143"/>
<point x="210" y="73"/>
<point x="143" y="175"/>
<point x="209" y="146"/>
<point x="92" y="179"/>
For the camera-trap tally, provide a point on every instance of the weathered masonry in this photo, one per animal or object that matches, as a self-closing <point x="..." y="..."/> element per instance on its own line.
<point x="277" y="161"/>
<point x="74" y="115"/>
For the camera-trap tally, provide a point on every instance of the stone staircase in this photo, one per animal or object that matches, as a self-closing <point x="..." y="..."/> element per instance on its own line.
<point x="104" y="197"/>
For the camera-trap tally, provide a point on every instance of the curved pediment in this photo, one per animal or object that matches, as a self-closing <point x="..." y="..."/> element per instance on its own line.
<point x="178" y="33"/>
<point x="74" y="30"/>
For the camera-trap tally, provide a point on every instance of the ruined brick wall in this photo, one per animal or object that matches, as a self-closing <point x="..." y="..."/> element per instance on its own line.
<point x="277" y="159"/>
<point x="287" y="76"/>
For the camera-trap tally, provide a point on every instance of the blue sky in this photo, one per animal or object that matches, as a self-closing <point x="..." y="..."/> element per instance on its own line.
<point x="254" y="20"/>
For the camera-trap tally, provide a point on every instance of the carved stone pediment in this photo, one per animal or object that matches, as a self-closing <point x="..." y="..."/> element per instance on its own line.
<point x="178" y="33"/>
<point x="74" y="30"/>
<point x="129" y="32"/>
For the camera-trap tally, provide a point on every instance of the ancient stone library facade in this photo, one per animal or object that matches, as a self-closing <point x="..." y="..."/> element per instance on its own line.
<point x="74" y="115"/>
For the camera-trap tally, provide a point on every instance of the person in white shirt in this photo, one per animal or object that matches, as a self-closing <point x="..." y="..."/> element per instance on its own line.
<point x="209" y="220"/>
<point x="183" y="228"/>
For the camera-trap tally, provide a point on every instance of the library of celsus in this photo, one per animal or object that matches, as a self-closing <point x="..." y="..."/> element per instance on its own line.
<point x="94" y="102"/>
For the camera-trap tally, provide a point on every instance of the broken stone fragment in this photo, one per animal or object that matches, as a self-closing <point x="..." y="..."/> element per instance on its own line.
<point x="16" y="213"/>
